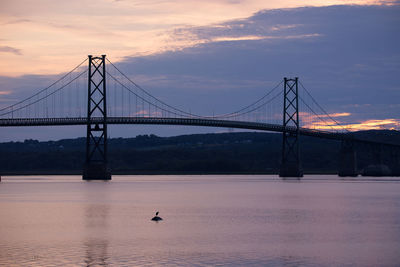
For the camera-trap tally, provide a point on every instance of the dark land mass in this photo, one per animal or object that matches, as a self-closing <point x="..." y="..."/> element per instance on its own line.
<point x="224" y="153"/>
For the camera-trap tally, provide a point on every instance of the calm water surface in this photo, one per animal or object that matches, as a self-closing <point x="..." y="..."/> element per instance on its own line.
<point x="208" y="221"/>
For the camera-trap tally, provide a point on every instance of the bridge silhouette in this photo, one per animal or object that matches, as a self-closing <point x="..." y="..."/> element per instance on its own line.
<point x="97" y="96"/>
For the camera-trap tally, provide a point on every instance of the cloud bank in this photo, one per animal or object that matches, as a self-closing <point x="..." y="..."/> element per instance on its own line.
<point x="51" y="31"/>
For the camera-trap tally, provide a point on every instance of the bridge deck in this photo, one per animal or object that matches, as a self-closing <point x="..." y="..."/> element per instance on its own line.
<point x="182" y="121"/>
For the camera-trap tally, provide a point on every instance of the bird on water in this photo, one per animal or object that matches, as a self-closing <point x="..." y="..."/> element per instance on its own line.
<point x="156" y="218"/>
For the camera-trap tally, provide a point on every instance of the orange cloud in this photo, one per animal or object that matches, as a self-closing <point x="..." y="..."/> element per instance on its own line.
<point x="145" y="113"/>
<point x="5" y="92"/>
<point x="141" y="113"/>
<point x="306" y="115"/>
<point x="323" y="122"/>
<point x="255" y="37"/>
<point x="336" y="115"/>
<point x="388" y="124"/>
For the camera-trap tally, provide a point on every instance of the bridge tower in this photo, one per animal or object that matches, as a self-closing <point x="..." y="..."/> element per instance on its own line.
<point x="96" y="136"/>
<point x="290" y="163"/>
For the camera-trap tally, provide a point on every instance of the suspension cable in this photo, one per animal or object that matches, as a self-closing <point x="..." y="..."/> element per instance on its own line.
<point x="143" y="99"/>
<point x="315" y="113"/>
<point x="232" y="114"/>
<point x="257" y="107"/>
<point x="322" y="109"/>
<point x="41" y="91"/>
<point x="39" y="99"/>
<point x="143" y="90"/>
<point x="237" y="113"/>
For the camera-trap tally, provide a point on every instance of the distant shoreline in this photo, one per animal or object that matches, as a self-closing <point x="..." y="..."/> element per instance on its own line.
<point x="157" y="173"/>
<point x="242" y="153"/>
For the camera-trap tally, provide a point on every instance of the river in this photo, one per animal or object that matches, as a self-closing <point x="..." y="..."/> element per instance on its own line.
<point x="210" y="220"/>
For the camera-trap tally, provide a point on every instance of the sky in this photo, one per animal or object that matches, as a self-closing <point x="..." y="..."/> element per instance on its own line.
<point x="193" y="54"/>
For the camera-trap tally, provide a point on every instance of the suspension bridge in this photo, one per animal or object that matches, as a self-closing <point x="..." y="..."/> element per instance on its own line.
<point x="96" y="96"/>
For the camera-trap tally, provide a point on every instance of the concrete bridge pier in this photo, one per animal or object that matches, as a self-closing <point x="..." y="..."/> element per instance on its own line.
<point x="395" y="161"/>
<point x="377" y="168"/>
<point x="291" y="169"/>
<point x="96" y="171"/>
<point x="347" y="159"/>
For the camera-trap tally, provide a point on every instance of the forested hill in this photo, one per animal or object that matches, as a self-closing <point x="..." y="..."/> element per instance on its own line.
<point x="241" y="152"/>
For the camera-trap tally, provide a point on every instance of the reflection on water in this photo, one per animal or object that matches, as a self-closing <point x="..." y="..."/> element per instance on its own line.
<point x="208" y="220"/>
<point x="96" y="252"/>
<point x="96" y="221"/>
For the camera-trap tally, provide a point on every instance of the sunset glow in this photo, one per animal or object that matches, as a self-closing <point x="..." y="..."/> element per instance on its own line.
<point x="5" y="92"/>
<point x="50" y="36"/>
<point x="392" y="124"/>
<point x="325" y="122"/>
